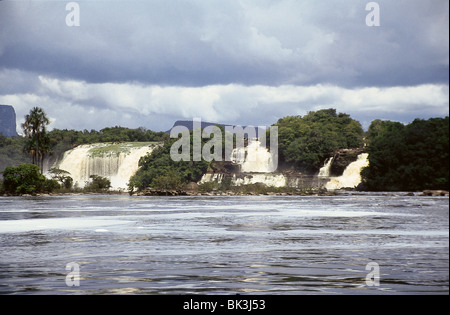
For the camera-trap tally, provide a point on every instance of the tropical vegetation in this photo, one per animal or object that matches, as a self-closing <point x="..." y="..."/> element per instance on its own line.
<point x="305" y="142"/>
<point x="26" y="179"/>
<point x="159" y="170"/>
<point x="408" y="157"/>
<point x="35" y="130"/>
<point x="401" y="157"/>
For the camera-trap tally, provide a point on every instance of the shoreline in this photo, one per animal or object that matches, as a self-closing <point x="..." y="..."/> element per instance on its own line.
<point x="340" y="192"/>
<point x="176" y="193"/>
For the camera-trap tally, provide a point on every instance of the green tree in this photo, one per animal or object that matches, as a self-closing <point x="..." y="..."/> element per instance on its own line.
<point x="156" y="168"/>
<point x="412" y="157"/>
<point x="169" y="181"/>
<point x="34" y="127"/>
<point x="98" y="184"/>
<point x="305" y="142"/>
<point x="11" y="152"/>
<point x="26" y="179"/>
<point x="62" y="177"/>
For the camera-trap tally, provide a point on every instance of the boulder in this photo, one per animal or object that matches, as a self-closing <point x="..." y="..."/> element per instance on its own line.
<point x="342" y="159"/>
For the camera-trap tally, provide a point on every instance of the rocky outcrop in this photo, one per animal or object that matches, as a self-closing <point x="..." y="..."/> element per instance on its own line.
<point x="7" y="121"/>
<point x="342" y="159"/>
<point x="435" y="193"/>
<point x="161" y="192"/>
<point x="225" y="167"/>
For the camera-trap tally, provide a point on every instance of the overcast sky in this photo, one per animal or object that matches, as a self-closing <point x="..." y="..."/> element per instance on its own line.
<point x="148" y="63"/>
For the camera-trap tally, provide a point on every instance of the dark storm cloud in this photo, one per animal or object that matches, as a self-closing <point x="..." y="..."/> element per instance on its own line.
<point x="148" y="63"/>
<point x="221" y="42"/>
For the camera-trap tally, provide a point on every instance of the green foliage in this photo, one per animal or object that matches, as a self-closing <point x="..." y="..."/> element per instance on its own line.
<point x="11" y="152"/>
<point x="62" y="177"/>
<point x="155" y="169"/>
<point x="208" y="187"/>
<point x="97" y="184"/>
<point x="26" y="179"/>
<point x="169" y="181"/>
<point x="51" y="185"/>
<point x="306" y="142"/>
<point x="63" y="140"/>
<point x="38" y="142"/>
<point x="408" y="158"/>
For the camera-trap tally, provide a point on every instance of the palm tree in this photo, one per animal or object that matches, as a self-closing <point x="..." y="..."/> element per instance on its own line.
<point x="35" y="130"/>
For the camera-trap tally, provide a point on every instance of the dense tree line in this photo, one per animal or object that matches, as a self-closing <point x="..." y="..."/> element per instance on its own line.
<point x="11" y="152"/>
<point x="305" y="142"/>
<point x="26" y="179"/>
<point x="159" y="170"/>
<point x="19" y="150"/>
<point x="402" y="157"/>
<point x="410" y="158"/>
<point x="63" y="140"/>
<point x="22" y="158"/>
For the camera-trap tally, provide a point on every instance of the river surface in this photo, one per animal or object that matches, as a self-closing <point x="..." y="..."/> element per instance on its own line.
<point x="224" y="245"/>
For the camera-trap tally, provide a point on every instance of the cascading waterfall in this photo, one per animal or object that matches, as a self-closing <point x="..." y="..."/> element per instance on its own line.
<point x="254" y="158"/>
<point x="325" y="170"/>
<point x="351" y="177"/>
<point x="271" y="180"/>
<point x="257" y="161"/>
<point x="256" y="165"/>
<point x="117" y="162"/>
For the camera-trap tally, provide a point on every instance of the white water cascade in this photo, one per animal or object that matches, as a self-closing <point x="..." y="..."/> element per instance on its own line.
<point x="117" y="162"/>
<point x="256" y="162"/>
<point x="351" y="176"/>
<point x="254" y="158"/>
<point x="325" y="170"/>
<point x="270" y="180"/>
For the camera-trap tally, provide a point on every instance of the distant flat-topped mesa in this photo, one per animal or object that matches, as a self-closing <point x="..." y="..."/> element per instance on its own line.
<point x="7" y="121"/>
<point x="189" y="124"/>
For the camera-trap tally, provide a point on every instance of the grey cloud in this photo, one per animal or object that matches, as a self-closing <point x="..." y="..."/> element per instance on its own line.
<point x="149" y="63"/>
<point x="195" y="43"/>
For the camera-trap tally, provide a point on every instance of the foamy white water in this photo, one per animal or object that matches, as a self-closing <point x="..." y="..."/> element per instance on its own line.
<point x="351" y="177"/>
<point x="254" y="158"/>
<point x="325" y="170"/>
<point x="270" y="180"/>
<point x="224" y="245"/>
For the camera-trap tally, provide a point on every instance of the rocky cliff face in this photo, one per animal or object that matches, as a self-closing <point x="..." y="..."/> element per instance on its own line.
<point x="7" y="121"/>
<point x="342" y="159"/>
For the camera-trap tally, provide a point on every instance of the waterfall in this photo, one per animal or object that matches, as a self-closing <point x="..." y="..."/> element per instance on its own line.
<point x="325" y="170"/>
<point x="117" y="162"/>
<point x="351" y="176"/>
<point x="254" y="158"/>
<point x="271" y="180"/>
<point x="206" y="178"/>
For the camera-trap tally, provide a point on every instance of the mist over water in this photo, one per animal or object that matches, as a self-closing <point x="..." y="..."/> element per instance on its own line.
<point x="224" y="245"/>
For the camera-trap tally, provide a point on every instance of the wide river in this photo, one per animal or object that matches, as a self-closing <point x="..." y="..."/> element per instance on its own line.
<point x="346" y="244"/>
